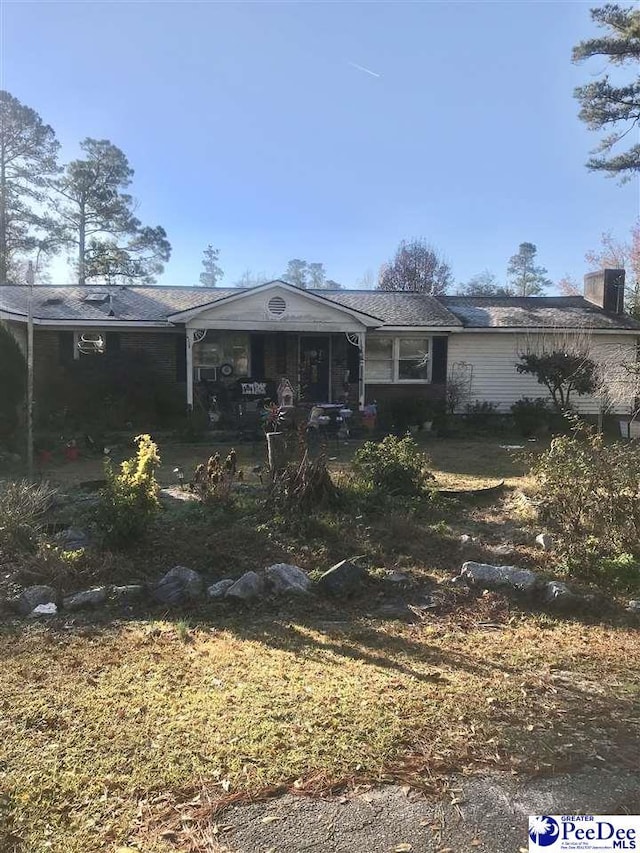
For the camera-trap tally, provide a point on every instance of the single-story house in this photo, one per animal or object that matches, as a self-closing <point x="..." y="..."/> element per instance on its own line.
<point x="332" y="345"/>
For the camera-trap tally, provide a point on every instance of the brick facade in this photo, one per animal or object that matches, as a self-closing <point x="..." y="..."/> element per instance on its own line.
<point x="53" y="349"/>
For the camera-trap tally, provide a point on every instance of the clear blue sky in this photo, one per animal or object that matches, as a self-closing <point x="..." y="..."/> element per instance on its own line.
<point x="248" y="127"/>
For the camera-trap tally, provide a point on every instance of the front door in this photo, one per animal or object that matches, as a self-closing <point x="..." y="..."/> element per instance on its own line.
<point x="314" y="369"/>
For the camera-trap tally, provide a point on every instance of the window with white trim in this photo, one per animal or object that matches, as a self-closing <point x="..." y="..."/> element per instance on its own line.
<point x="398" y="359"/>
<point x="379" y="359"/>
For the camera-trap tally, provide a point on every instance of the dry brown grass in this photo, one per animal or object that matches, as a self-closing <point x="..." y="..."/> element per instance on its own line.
<point x="105" y="731"/>
<point x="133" y="733"/>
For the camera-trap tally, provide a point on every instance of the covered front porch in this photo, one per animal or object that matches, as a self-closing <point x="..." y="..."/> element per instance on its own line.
<point x="319" y="368"/>
<point x="248" y="344"/>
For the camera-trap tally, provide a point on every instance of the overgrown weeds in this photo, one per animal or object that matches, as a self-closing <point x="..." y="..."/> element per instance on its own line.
<point x="213" y="482"/>
<point x="303" y="487"/>
<point x="589" y="496"/>
<point x="23" y="506"/>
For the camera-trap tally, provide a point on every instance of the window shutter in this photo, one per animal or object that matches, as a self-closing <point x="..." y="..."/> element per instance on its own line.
<point x="439" y="366"/>
<point x="181" y="358"/>
<point x="257" y="356"/>
<point x="65" y="347"/>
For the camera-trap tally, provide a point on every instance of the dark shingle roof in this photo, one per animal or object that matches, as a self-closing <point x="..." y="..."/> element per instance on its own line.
<point x="521" y="312"/>
<point x="151" y="304"/>
<point x="154" y="304"/>
<point x="395" y="309"/>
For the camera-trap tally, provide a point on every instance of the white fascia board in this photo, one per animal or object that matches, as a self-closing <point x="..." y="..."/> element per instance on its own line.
<point x="275" y="326"/>
<point x="107" y="323"/>
<point x="365" y="319"/>
<point x="430" y="330"/>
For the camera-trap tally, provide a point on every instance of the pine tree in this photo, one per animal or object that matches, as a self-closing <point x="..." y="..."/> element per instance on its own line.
<point x="296" y="273"/>
<point x="28" y="160"/>
<point x="97" y="214"/>
<point x="527" y="278"/>
<point x="211" y="272"/>
<point x="604" y="104"/>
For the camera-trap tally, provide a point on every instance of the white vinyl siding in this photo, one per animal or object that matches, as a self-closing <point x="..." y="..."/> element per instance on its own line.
<point x="488" y="361"/>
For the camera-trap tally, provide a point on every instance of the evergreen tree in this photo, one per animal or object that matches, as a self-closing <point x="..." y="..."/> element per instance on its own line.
<point x="526" y="277"/>
<point x="317" y="275"/>
<point x="28" y="160"/>
<point x="296" y="273"/>
<point x="211" y="272"/>
<point x="110" y="242"/>
<point x="606" y="105"/>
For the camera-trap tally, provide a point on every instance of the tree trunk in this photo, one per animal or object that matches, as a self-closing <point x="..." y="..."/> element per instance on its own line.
<point x="4" y="261"/>
<point x="277" y="450"/>
<point x="81" y="246"/>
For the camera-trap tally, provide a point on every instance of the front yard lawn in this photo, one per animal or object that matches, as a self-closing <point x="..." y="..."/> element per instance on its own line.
<point x="125" y="730"/>
<point x="116" y="733"/>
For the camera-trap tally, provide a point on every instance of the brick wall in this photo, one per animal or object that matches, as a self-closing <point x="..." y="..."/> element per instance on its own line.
<point x="386" y="395"/>
<point x="53" y="349"/>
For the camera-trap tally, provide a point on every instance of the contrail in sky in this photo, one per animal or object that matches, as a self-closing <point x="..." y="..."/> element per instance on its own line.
<point x="366" y="70"/>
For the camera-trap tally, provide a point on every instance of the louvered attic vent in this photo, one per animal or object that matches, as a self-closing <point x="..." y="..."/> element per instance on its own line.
<point x="276" y="306"/>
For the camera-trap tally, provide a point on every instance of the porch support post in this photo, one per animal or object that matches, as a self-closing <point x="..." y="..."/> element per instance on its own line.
<point x="330" y="400"/>
<point x="189" y="345"/>
<point x="361" y="376"/>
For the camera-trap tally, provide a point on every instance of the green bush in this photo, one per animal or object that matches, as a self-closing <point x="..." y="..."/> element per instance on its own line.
<point x="481" y="415"/>
<point x="22" y="508"/>
<point x="622" y="571"/>
<point x="129" y="501"/>
<point x="588" y="496"/>
<point x="531" y="415"/>
<point x="399" y="416"/>
<point x="396" y="466"/>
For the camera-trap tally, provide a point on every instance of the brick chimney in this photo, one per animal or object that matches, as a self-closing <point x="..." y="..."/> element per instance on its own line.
<point x="605" y="289"/>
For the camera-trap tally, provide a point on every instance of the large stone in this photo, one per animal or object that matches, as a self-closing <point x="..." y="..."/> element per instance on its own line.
<point x="178" y="586"/>
<point x="219" y="589"/>
<point x="86" y="599"/>
<point x="49" y="609"/>
<point x="342" y="580"/>
<point x="634" y="606"/>
<point x="284" y="578"/>
<point x="33" y="596"/>
<point x="558" y="596"/>
<point x="72" y="539"/>
<point x="545" y="541"/>
<point x="128" y="594"/>
<point x="247" y="587"/>
<point x="486" y="576"/>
